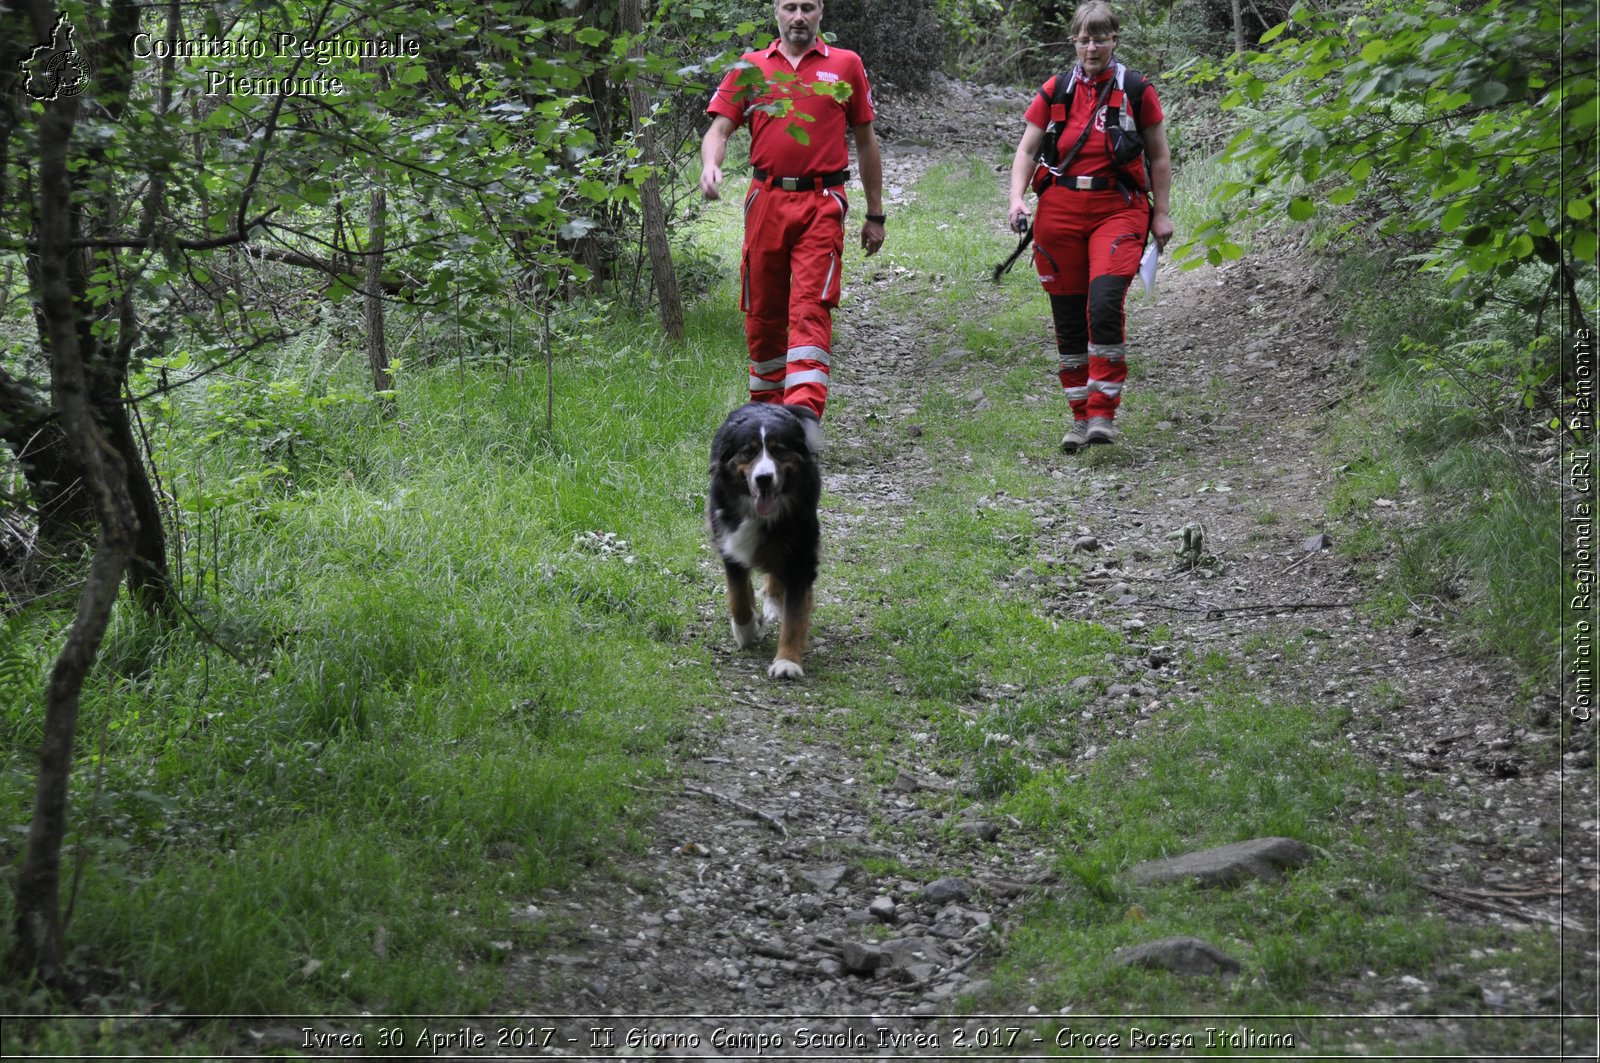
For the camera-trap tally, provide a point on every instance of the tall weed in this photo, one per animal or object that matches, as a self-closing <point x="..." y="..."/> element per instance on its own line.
<point x="1452" y="416"/>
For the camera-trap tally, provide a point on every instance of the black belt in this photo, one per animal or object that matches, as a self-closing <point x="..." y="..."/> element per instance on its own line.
<point x="1079" y="184"/>
<point x="804" y="184"/>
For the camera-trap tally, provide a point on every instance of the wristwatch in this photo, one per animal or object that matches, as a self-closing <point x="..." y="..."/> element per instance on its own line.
<point x="878" y="218"/>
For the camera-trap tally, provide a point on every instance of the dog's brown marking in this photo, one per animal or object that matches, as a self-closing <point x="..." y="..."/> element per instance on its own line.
<point x="794" y="636"/>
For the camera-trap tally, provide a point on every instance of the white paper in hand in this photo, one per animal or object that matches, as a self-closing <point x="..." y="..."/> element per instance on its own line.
<point x="1147" y="267"/>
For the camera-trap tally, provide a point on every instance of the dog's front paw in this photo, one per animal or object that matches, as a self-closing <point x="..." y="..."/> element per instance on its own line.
<point x="745" y="635"/>
<point x="783" y="668"/>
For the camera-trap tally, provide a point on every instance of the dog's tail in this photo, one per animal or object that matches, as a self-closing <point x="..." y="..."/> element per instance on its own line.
<point x="811" y="425"/>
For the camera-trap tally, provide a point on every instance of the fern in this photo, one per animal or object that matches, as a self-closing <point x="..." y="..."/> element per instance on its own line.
<point x="21" y="667"/>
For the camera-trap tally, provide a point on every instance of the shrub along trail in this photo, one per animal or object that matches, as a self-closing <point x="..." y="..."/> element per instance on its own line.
<point x="1034" y="672"/>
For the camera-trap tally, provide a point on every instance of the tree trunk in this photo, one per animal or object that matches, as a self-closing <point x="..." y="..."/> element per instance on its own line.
<point x="1238" y="27"/>
<point x="668" y="299"/>
<point x="149" y="577"/>
<point x="377" y="350"/>
<point x="40" y="945"/>
<point x="49" y="463"/>
<point x="377" y="238"/>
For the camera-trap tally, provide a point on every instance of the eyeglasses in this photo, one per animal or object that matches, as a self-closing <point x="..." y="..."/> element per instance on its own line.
<point x="1098" y="42"/>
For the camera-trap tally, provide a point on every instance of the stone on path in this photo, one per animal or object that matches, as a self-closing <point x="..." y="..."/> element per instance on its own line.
<point x="825" y="879"/>
<point x="1180" y="955"/>
<point x="946" y="891"/>
<point x="861" y="957"/>
<point x="1227" y="865"/>
<point x="981" y="829"/>
<point x="901" y="953"/>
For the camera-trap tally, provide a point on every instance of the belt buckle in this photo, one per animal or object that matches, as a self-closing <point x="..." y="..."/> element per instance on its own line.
<point x="1083" y="184"/>
<point x="789" y="184"/>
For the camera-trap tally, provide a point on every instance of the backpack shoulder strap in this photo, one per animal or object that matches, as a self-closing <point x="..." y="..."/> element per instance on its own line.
<point x="1060" y="92"/>
<point x="1133" y="85"/>
<point x="1064" y="83"/>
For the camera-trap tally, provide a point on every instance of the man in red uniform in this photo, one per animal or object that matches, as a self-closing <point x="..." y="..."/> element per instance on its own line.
<point x="1094" y="213"/>
<point x="794" y="210"/>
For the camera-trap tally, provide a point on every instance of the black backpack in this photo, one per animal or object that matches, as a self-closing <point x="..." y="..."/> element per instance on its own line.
<point x="1127" y="144"/>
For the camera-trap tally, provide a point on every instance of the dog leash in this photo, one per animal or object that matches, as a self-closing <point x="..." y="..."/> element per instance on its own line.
<point x="1004" y="267"/>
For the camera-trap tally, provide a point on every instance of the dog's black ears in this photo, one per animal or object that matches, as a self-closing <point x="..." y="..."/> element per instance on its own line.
<point x="727" y="449"/>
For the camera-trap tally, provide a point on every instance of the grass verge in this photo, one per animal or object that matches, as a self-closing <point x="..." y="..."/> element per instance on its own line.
<point x="447" y="636"/>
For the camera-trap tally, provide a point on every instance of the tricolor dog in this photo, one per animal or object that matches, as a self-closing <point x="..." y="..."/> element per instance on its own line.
<point x="762" y="514"/>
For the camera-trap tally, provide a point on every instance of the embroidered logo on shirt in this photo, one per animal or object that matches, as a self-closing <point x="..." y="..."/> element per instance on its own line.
<point x="827" y="75"/>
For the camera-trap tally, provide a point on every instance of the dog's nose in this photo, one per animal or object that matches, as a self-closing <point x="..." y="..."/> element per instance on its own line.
<point x="765" y="480"/>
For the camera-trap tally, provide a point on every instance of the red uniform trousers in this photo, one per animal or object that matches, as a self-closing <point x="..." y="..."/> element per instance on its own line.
<point x="789" y="285"/>
<point x="1086" y="247"/>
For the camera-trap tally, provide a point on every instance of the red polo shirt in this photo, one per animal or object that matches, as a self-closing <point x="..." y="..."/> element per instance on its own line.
<point x="1094" y="159"/>
<point x="772" y="147"/>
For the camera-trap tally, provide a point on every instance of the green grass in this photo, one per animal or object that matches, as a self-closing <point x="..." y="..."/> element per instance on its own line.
<point x="1223" y="769"/>
<point x="454" y="627"/>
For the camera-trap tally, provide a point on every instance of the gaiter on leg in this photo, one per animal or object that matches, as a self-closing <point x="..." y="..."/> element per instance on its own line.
<point x="1070" y="316"/>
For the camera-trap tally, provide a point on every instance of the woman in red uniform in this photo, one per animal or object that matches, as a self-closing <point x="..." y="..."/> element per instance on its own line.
<point x="1102" y="191"/>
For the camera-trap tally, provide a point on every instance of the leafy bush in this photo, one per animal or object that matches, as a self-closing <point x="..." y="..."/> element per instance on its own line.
<point x="901" y="41"/>
<point x="1439" y="131"/>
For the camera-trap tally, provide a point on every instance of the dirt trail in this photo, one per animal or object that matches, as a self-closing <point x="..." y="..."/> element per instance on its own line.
<point x="754" y="895"/>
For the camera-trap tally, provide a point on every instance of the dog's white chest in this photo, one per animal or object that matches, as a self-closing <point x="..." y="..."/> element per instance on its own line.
<point x="740" y="544"/>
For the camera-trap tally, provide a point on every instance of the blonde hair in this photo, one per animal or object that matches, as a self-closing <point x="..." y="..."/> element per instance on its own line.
<point x="1095" y="19"/>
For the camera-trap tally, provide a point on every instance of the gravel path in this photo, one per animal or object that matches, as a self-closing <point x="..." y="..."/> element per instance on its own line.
<point x="754" y="898"/>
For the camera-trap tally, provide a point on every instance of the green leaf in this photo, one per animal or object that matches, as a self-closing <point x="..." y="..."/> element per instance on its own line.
<point x="1579" y="209"/>
<point x="1584" y="115"/>
<point x="1477" y="236"/>
<point x="1301" y="208"/>
<point x="341" y="288"/>
<point x="1489" y="93"/>
<point x="1584" y="244"/>
<point x="1434" y="43"/>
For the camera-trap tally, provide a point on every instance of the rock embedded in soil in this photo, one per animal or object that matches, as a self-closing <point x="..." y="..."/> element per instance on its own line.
<point x="825" y="879"/>
<point x="862" y="957"/>
<point x="981" y="829"/>
<point x="1228" y="865"/>
<point x="1180" y="955"/>
<point x="946" y="891"/>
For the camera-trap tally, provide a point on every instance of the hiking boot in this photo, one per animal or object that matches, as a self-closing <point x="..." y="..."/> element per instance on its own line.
<point x="1100" y="431"/>
<point x="1076" y="437"/>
